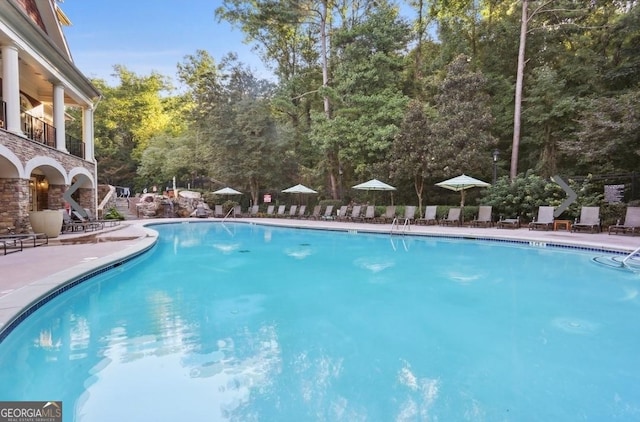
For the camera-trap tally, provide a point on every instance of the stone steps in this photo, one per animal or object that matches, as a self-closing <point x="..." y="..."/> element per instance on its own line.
<point x="123" y="208"/>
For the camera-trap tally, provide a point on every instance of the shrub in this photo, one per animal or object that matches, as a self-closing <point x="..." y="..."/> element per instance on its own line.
<point x="523" y="196"/>
<point x="113" y="214"/>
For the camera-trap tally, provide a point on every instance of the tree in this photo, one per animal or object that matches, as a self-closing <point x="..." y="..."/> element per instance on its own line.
<point x="463" y="129"/>
<point x="128" y="116"/>
<point x="550" y="116"/>
<point x="415" y="153"/>
<point x="368" y="102"/>
<point x="239" y="141"/>
<point x="608" y="135"/>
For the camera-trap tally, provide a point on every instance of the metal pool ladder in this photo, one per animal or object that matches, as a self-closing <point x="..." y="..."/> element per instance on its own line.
<point x="626" y="259"/>
<point x="229" y="213"/>
<point x="396" y="223"/>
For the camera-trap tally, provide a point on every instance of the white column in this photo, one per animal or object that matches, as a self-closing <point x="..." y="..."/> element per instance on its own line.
<point x="87" y="133"/>
<point x="11" y="87"/>
<point x="58" y="117"/>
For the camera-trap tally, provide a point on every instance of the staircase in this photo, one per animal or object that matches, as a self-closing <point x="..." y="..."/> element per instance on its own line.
<point x="122" y="205"/>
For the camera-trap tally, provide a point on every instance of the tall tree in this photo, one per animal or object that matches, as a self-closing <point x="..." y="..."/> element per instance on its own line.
<point x="550" y="116"/>
<point x="415" y="153"/>
<point x="463" y="129"/>
<point x="608" y="135"/>
<point x="128" y="116"/>
<point x="368" y="98"/>
<point x="241" y="143"/>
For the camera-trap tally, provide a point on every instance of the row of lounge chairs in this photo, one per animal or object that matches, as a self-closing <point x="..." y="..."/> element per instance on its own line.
<point x="76" y="222"/>
<point x="589" y="219"/>
<point x="360" y="213"/>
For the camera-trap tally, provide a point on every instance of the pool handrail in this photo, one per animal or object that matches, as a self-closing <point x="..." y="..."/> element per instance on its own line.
<point x="628" y="257"/>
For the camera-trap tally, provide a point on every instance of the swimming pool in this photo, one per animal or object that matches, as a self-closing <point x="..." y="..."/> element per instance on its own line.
<point x="247" y="322"/>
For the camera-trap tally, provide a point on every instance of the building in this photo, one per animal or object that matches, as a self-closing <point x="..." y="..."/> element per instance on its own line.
<point x="41" y="165"/>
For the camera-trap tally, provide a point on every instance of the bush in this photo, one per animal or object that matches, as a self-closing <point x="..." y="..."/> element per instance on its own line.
<point x="228" y="205"/>
<point x="522" y="197"/>
<point x="113" y="214"/>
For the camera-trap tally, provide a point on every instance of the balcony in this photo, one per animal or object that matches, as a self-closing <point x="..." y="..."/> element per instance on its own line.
<point x="37" y="130"/>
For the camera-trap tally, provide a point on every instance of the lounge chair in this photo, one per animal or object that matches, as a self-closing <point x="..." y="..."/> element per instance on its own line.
<point x="237" y="211"/>
<point x="453" y="217"/>
<point x="369" y="214"/>
<point x="355" y="213"/>
<point x="544" y="220"/>
<point x="253" y="211"/>
<point x="301" y="210"/>
<point x="315" y="214"/>
<point x="200" y="211"/>
<point x="389" y="214"/>
<point x="104" y="221"/>
<point x="342" y="212"/>
<point x="589" y="220"/>
<point x="430" y="216"/>
<point x="292" y="211"/>
<point x="508" y="223"/>
<point x="96" y="225"/>
<point x="484" y="217"/>
<point x="409" y="214"/>
<point x="281" y="210"/>
<point x="631" y="222"/>
<point x="10" y="245"/>
<point x="270" y="210"/>
<point x="25" y="239"/>
<point x="327" y="213"/>
<point x="218" y="212"/>
<point x="69" y="225"/>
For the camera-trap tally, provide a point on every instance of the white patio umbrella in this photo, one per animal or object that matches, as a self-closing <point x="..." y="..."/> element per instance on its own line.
<point x="374" y="185"/>
<point x="462" y="183"/>
<point x="227" y="191"/>
<point x="300" y="190"/>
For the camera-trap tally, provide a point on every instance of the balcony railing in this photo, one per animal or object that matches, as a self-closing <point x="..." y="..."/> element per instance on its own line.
<point x="40" y="131"/>
<point x="75" y="146"/>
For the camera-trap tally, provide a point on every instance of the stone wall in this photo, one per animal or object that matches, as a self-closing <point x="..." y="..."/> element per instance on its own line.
<point x="15" y="198"/>
<point x="26" y="149"/>
<point x="55" y="201"/>
<point x="14" y="191"/>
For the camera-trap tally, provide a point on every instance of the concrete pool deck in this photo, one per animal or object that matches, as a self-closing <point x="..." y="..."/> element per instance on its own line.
<point x="28" y="276"/>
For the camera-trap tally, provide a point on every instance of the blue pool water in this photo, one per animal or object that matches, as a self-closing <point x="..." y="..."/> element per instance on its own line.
<point x="243" y="322"/>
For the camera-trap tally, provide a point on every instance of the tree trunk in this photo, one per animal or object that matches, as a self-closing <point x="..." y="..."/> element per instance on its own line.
<point x="332" y="155"/>
<point x="517" y="112"/>
<point x="418" y="184"/>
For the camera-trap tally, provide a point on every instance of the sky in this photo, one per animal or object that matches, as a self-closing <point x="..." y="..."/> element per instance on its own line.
<point x="149" y="35"/>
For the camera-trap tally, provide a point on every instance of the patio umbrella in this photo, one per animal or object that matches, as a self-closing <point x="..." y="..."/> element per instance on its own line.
<point x="227" y="191"/>
<point x="374" y="185"/>
<point x="462" y="183"/>
<point x="300" y="190"/>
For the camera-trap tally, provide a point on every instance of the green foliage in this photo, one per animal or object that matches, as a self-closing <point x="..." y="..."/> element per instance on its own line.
<point x="463" y="127"/>
<point x="522" y="197"/>
<point x="332" y="126"/>
<point x="326" y="202"/>
<point x="228" y="205"/>
<point x="129" y="115"/>
<point x="113" y="214"/>
<point x="609" y="135"/>
<point x="530" y="191"/>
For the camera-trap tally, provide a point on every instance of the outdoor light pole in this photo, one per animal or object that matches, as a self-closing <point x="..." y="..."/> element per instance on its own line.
<point x="340" y="174"/>
<point x="495" y="155"/>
